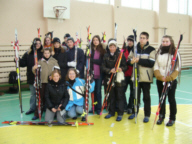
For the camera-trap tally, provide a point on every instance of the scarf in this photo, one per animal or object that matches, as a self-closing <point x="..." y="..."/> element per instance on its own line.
<point x="96" y="67"/>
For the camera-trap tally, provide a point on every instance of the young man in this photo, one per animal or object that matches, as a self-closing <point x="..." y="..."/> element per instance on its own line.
<point x="145" y="60"/>
<point x="126" y="51"/>
<point x="27" y="60"/>
<point x="66" y="36"/>
<point x="75" y="57"/>
<point x="116" y="93"/>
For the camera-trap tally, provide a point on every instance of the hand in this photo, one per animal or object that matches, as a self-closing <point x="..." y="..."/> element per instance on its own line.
<point x="163" y="79"/>
<point x="119" y="70"/>
<point x="72" y="64"/>
<point x="137" y="60"/>
<point x="133" y="60"/>
<point x="16" y="59"/>
<point x="35" y="67"/>
<point x="53" y="110"/>
<point x="113" y="70"/>
<point x="89" y="77"/>
<point x="58" y="109"/>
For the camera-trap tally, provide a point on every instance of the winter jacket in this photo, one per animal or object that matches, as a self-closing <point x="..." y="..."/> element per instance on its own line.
<point x="56" y="94"/>
<point x="109" y="63"/>
<point x="46" y="68"/>
<point x="146" y="62"/>
<point x="61" y="58"/>
<point x="27" y="60"/>
<point x="163" y="66"/>
<point x="75" y="98"/>
<point x="126" y="53"/>
<point x="80" y="59"/>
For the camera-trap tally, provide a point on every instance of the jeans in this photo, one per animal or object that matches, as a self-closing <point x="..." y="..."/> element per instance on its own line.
<point x="32" y="98"/>
<point x="75" y="110"/>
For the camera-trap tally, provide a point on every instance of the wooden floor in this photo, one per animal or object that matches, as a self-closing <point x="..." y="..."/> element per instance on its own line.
<point x="103" y="131"/>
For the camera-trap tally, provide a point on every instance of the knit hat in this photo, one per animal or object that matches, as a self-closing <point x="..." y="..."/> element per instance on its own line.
<point x="131" y="38"/>
<point x="112" y="42"/>
<point x="56" y="39"/>
<point x="67" y="35"/>
<point x="70" y="38"/>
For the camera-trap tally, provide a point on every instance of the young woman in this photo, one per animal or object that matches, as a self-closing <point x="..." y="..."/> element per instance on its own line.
<point x="117" y="93"/>
<point x="60" y="55"/>
<point x="96" y="61"/>
<point x="161" y="68"/>
<point x="56" y="97"/>
<point x="76" y="90"/>
<point x="46" y="63"/>
<point x="27" y="60"/>
<point x="47" y="42"/>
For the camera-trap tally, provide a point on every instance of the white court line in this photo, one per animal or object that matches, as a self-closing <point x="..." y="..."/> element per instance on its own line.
<point x="175" y="97"/>
<point x="112" y="125"/>
<point x="13" y="96"/>
<point x="13" y="99"/>
<point x="110" y="133"/>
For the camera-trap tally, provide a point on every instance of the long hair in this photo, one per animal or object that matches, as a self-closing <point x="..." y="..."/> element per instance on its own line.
<point x="56" y="71"/>
<point x="67" y="76"/>
<point x="99" y="47"/>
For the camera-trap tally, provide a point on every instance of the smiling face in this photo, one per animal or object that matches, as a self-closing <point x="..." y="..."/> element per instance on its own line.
<point x="96" y="41"/>
<point x="72" y="75"/>
<point x="56" y="77"/>
<point x="70" y="43"/>
<point x="47" y="41"/>
<point x="56" y="45"/>
<point x="166" y="42"/>
<point x="46" y="53"/>
<point x="112" y="48"/>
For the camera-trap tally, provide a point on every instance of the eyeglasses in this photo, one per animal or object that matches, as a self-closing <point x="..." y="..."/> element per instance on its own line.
<point x="142" y="38"/>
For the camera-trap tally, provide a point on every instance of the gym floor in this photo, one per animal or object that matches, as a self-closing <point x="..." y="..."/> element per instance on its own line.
<point x="103" y="131"/>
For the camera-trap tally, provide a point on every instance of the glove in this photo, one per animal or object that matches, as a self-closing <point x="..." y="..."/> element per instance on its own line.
<point x="77" y="71"/>
<point x="72" y="64"/>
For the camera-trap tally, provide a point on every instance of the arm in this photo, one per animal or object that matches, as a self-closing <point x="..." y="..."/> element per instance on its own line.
<point x="47" y="98"/>
<point x="65" y="98"/>
<point x="23" y="60"/>
<point x="148" y="62"/>
<point x="97" y="61"/>
<point x="81" y="59"/>
<point x="63" y="63"/>
<point x="130" y="58"/>
<point x="104" y="64"/>
<point x="123" y="65"/>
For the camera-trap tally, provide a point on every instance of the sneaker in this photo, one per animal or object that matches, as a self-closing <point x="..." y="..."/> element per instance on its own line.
<point x="98" y="112"/>
<point x="131" y="116"/>
<point x="129" y="111"/>
<point x="35" y="118"/>
<point x="146" y="119"/>
<point x="83" y="119"/>
<point x="108" y="116"/>
<point x="74" y="118"/>
<point x="119" y="118"/>
<point x="160" y="120"/>
<point x="170" y="123"/>
<point x="91" y="111"/>
<point x="29" y="112"/>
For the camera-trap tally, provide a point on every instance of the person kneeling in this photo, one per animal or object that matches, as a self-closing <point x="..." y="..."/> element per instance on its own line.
<point x="76" y="92"/>
<point x="57" y="97"/>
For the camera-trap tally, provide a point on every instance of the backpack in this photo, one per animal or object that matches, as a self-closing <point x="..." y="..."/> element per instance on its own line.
<point x="13" y="77"/>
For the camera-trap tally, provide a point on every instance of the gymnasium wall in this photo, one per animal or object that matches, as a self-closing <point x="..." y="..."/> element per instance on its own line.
<point x="27" y="16"/>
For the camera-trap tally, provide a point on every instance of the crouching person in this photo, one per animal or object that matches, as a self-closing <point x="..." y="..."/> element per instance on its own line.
<point x="76" y="90"/>
<point x="57" y="97"/>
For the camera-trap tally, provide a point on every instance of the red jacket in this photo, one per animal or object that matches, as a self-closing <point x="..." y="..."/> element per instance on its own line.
<point x="130" y="68"/>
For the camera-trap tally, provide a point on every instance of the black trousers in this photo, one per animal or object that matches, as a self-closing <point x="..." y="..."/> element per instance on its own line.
<point x="116" y="97"/>
<point x="129" y="82"/>
<point x="145" y="86"/>
<point x="171" y="99"/>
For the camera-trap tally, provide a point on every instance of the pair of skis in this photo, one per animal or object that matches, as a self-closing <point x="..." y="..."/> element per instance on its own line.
<point x="16" y="49"/>
<point x="54" y="123"/>
<point x="167" y="84"/>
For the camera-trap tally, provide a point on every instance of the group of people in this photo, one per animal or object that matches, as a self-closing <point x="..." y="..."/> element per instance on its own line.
<point x="63" y="84"/>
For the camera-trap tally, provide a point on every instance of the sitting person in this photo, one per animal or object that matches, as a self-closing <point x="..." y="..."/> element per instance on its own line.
<point x="57" y="97"/>
<point x="76" y="89"/>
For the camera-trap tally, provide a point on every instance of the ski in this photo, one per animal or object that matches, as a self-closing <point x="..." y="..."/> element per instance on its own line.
<point x="111" y="83"/>
<point x="115" y="31"/>
<point x="167" y="84"/>
<point x="103" y="37"/>
<point x="88" y="55"/>
<point x="16" y="49"/>
<point x="54" y="123"/>
<point x="135" y="76"/>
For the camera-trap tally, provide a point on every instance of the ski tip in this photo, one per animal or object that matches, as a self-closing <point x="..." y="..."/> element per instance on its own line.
<point x="181" y="37"/>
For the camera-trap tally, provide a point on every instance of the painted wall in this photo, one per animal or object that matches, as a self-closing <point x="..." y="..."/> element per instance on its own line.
<point x="27" y="16"/>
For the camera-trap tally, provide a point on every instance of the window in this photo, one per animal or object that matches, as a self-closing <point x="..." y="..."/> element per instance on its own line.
<point x="143" y="4"/>
<point x="99" y="1"/>
<point x="179" y="6"/>
<point x="189" y="7"/>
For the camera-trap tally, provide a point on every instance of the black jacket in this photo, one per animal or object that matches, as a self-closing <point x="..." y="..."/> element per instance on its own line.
<point x="109" y="63"/>
<point x="61" y="58"/>
<point x="27" y="60"/>
<point x="56" y="94"/>
<point x="80" y="59"/>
